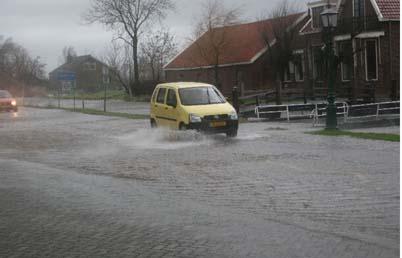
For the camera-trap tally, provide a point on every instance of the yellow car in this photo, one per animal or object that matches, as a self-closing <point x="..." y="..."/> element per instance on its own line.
<point x="190" y="105"/>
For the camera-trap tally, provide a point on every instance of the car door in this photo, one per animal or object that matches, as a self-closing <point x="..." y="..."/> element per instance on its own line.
<point x="171" y="114"/>
<point x="159" y="107"/>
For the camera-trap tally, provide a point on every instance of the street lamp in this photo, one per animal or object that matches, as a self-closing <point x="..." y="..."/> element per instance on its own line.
<point x="329" y="18"/>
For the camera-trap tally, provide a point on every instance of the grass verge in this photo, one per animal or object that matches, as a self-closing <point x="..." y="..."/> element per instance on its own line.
<point x="96" y="112"/>
<point x="111" y="94"/>
<point x="371" y="136"/>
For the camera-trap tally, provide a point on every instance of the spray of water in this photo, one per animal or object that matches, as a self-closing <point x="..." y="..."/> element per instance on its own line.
<point x="164" y="139"/>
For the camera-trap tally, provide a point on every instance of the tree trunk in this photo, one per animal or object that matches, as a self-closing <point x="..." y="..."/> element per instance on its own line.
<point x="135" y="59"/>
<point x="153" y="70"/>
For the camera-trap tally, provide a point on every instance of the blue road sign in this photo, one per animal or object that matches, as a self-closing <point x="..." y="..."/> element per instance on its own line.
<point x="66" y="76"/>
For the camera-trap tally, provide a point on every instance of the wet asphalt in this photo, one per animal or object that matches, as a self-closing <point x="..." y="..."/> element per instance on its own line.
<point x="75" y="185"/>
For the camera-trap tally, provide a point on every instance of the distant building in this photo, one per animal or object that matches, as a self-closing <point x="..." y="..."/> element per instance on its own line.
<point x="91" y="74"/>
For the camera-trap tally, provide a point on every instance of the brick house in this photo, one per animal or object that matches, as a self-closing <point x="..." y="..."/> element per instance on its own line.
<point x="91" y="74"/>
<point x="242" y="63"/>
<point x="366" y="41"/>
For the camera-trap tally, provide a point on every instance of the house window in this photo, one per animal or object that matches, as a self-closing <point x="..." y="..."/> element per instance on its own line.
<point x="371" y="60"/>
<point x="317" y="23"/>
<point x="289" y="72"/>
<point x="295" y="69"/>
<point x="90" y="66"/>
<point x="346" y="55"/>
<point x="298" y="62"/>
<point x="318" y="64"/>
<point x="358" y="8"/>
<point x="105" y="74"/>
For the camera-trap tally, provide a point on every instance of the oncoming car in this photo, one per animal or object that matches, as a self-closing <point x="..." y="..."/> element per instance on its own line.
<point x="190" y="105"/>
<point x="7" y="102"/>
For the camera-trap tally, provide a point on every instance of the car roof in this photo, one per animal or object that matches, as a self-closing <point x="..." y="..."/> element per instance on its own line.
<point x="181" y="85"/>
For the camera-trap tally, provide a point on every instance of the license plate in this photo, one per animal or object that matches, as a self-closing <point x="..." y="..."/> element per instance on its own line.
<point x="218" y="124"/>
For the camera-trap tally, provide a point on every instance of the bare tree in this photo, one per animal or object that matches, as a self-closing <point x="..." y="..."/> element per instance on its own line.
<point x="279" y="35"/>
<point x="128" y="18"/>
<point x="211" y="33"/>
<point x="16" y="63"/>
<point x="156" y="50"/>
<point x="68" y="54"/>
<point x="117" y="58"/>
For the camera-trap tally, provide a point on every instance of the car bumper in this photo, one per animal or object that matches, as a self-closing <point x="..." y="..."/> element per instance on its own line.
<point x="207" y="127"/>
<point x="8" y="108"/>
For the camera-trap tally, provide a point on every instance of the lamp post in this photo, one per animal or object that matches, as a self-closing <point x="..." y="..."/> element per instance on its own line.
<point x="329" y="18"/>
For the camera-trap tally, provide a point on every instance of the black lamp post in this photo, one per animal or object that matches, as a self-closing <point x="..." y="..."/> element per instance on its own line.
<point x="329" y="18"/>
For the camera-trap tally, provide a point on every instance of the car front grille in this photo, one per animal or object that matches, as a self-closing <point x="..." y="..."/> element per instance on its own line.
<point x="216" y="117"/>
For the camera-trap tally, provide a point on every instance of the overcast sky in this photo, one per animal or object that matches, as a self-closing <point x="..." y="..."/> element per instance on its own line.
<point x="44" y="27"/>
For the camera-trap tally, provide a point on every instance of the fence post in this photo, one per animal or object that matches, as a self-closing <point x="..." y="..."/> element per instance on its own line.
<point x="104" y="99"/>
<point x="235" y="99"/>
<point x="346" y="111"/>
<point x="257" y="112"/>
<point x="74" y="94"/>
<point x="287" y="112"/>
<point x="378" y="111"/>
<point x="58" y="95"/>
<point x="257" y="100"/>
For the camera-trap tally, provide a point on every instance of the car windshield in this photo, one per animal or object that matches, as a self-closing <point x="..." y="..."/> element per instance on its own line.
<point x="200" y="96"/>
<point x="4" y="94"/>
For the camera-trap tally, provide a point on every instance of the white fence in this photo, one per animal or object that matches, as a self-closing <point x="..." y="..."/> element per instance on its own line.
<point x="317" y="111"/>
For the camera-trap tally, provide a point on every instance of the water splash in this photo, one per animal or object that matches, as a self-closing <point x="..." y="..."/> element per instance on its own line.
<point x="163" y="139"/>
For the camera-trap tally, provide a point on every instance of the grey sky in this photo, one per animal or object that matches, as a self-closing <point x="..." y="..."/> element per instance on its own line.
<point x="44" y="27"/>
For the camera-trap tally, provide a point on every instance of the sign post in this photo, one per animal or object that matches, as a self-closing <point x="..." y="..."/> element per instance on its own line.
<point x="67" y="76"/>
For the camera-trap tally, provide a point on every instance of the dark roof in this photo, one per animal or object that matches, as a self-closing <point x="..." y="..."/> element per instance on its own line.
<point x="389" y="9"/>
<point x="75" y="62"/>
<point x="244" y="44"/>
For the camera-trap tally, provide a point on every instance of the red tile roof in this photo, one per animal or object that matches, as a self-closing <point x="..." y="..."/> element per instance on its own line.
<point x="389" y="9"/>
<point x="243" y="44"/>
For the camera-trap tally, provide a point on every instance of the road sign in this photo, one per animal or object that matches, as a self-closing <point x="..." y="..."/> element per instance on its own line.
<point x="66" y="76"/>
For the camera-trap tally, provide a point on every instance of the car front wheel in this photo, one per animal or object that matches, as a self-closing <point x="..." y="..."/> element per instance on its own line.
<point x="232" y="133"/>
<point x="182" y="127"/>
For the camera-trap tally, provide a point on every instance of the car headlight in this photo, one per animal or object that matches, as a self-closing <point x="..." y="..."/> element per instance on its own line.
<point x="195" y="119"/>
<point x="233" y="115"/>
<point x="13" y="103"/>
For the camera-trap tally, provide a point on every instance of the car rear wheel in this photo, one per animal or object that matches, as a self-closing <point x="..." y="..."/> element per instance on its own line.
<point x="153" y="124"/>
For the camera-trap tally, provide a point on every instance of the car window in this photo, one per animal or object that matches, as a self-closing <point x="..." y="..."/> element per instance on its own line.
<point x="200" y="96"/>
<point x="161" y="96"/>
<point x="154" y="96"/>
<point x="171" y="98"/>
<point x="4" y="94"/>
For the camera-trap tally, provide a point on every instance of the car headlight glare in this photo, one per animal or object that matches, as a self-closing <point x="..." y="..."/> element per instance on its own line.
<point x="13" y="103"/>
<point x="233" y="116"/>
<point x="195" y="119"/>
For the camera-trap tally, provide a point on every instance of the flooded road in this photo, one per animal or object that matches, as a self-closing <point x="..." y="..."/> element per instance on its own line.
<point x="79" y="185"/>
